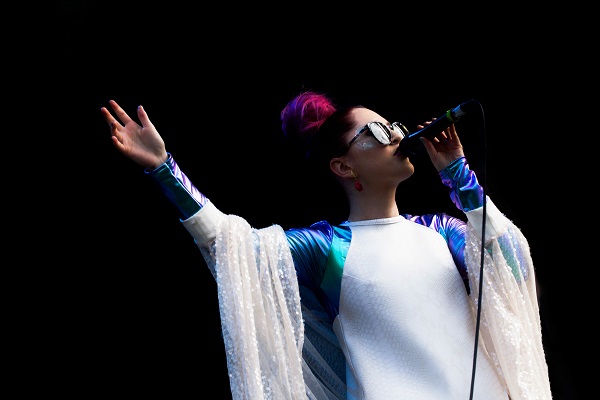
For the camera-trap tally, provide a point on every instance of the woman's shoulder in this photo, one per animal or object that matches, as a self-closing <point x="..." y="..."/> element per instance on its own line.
<point x="434" y="220"/>
<point x="321" y="228"/>
<point x="322" y="233"/>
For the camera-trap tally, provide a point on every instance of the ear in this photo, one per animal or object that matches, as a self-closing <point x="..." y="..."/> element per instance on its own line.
<point x="339" y="167"/>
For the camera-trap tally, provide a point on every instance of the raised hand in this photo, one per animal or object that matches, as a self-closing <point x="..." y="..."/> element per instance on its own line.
<point x="142" y="144"/>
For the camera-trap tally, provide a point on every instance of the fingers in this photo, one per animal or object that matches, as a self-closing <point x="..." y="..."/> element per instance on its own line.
<point x="115" y="128"/>
<point x="143" y="116"/>
<point x="123" y="116"/>
<point x="452" y="132"/>
<point x="112" y="122"/>
<point x="444" y="135"/>
<point x="117" y="142"/>
<point x="454" y="135"/>
<point x="107" y="116"/>
<point x="426" y="123"/>
<point x="120" y="112"/>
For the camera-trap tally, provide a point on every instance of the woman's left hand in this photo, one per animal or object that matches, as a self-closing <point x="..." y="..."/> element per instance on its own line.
<point x="443" y="148"/>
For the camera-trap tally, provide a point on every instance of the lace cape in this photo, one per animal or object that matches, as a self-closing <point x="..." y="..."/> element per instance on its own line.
<point x="510" y="327"/>
<point x="264" y="322"/>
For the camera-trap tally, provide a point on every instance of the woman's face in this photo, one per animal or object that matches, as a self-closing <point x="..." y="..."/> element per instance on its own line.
<point x="376" y="164"/>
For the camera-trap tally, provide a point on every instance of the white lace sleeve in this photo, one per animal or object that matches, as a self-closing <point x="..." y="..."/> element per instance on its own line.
<point x="268" y="356"/>
<point x="260" y="311"/>
<point x="510" y="328"/>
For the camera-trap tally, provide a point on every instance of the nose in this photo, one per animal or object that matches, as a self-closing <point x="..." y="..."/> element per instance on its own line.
<point x="396" y="137"/>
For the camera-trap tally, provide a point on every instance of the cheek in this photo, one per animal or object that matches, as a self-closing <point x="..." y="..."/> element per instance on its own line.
<point x="366" y="145"/>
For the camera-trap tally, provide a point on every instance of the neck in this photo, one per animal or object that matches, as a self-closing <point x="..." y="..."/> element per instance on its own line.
<point x="365" y="206"/>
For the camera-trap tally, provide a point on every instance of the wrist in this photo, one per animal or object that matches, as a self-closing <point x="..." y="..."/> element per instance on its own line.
<point x="162" y="160"/>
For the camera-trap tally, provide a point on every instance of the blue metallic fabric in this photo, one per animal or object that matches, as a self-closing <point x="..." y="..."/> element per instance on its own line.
<point x="465" y="191"/>
<point x="178" y="188"/>
<point x="310" y="249"/>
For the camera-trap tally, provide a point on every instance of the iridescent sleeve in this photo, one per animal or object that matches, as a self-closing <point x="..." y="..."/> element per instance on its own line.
<point x="178" y="188"/>
<point x="465" y="191"/>
<point x="467" y="194"/>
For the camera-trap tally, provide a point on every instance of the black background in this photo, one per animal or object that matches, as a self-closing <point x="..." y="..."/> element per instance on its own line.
<point x="128" y="307"/>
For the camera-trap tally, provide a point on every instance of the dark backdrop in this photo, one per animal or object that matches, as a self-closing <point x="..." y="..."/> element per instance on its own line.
<point x="129" y="308"/>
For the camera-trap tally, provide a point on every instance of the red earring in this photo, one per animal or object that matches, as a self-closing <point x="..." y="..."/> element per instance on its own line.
<point x="357" y="185"/>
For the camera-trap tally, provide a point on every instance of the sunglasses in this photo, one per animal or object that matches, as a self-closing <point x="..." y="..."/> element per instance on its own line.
<point x="381" y="131"/>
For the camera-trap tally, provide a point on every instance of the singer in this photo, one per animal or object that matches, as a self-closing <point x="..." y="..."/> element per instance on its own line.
<point x="380" y="305"/>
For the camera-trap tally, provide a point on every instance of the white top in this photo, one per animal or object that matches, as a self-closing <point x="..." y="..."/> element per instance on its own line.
<point x="404" y="324"/>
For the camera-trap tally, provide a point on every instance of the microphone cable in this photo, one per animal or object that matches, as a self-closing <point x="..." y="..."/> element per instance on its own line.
<point x="478" y="320"/>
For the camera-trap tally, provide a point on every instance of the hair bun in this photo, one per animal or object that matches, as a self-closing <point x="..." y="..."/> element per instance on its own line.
<point x="302" y="117"/>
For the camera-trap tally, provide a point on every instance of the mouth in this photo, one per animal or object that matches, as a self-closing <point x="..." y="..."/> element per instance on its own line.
<point x="398" y="153"/>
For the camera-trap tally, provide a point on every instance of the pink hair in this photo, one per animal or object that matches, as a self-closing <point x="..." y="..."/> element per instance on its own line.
<point x="302" y="117"/>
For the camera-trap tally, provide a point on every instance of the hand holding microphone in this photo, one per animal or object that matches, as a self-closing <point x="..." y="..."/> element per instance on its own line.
<point x="411" y="144"/>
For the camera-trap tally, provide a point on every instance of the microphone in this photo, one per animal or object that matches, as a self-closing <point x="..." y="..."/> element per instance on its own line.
<point x="411" y="144"/>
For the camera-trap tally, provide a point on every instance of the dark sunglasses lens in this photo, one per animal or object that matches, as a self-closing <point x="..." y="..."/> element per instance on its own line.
<point x="381" y="132"/>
